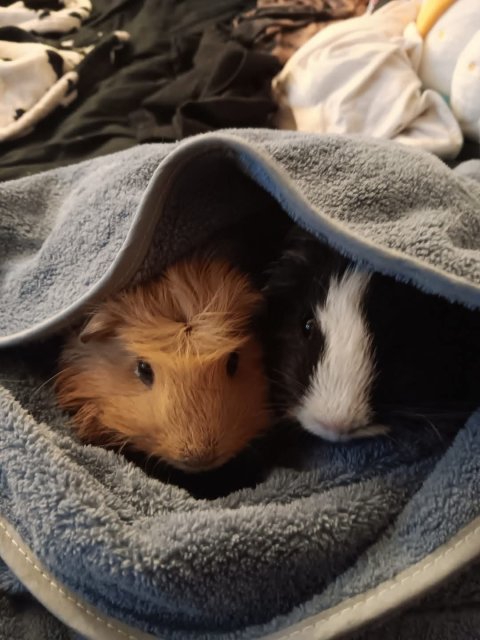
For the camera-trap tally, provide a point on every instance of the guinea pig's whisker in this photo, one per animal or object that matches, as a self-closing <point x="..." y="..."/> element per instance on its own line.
<point x="123" y="445"/>
<point x="281" y="403"/>
<point x="149" y="458"/>
<point x="284" y="407"/>
<point x="408" y="413"/>
<point x="288" y="379"/>
<point x="429" y="423"/>
<point x="284" y="374"/>
<point x="116" y="440"/>
<point x="397" y="442"/>
<point x="158" y="460"/>
<point x="271" y="406"/>
<point x="46" y="382"/>
<point x="279" y="406"/>
<point x="110" y="443"/>
<point x="323" y="288"/>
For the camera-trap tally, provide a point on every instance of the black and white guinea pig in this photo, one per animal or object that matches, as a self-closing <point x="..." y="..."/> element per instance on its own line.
<point x="348" y="350"/>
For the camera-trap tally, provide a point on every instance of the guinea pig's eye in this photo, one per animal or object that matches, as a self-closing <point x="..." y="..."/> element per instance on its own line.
<point x="232" y="363"/>
<point x="145" y="372"/>
<point x="308" y="327"/>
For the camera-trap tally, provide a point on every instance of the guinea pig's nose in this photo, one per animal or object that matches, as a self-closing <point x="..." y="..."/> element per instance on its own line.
<point x="339" y="432"/>
<point x="198" y="461"/>
<point x="327" y="431"/>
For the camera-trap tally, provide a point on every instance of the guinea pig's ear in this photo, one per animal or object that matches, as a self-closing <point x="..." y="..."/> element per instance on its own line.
<point x="100" y="326"/>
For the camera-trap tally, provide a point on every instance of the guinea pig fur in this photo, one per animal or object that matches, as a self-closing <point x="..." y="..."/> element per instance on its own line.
<point x="349" y="350"/>
<point x="172" y="368"/>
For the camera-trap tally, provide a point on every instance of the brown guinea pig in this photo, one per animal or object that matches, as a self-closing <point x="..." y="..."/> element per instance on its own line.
<point x="171" y="368"/>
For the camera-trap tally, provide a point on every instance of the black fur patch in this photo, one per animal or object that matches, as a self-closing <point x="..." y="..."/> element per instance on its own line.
<point x="43" y="14"/>
<point x="298" y="283"/>
<point x="19" y="113"/>
<point x="427" y="351"/>
<point x="75" y="14"/>
<point x="15" y="34"/>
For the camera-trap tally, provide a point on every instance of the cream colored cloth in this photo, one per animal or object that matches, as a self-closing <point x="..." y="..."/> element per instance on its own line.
<point x="360" y="77"/>
<point x="67" y="17"/>
<point x="450" y="62"/>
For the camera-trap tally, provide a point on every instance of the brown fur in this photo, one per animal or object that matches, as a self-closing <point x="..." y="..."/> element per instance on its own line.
<point x="185" y="325"/>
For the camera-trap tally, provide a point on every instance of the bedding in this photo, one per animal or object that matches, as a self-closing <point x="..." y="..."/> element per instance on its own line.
<point x="156" y="70"/>
<point x="282" y="26"/>
<point x="36" y="79"/>
<point x="128" y="72"/>
<point x="301" y="539"/>
<point x="323" y="88"/>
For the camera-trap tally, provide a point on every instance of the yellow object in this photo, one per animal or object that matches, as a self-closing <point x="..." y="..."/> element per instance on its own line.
<point x="429" y="13"/>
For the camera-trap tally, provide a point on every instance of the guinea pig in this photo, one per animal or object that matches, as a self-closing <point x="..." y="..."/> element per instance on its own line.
<point x="349" y="350"/>
<point x="172" y="368"/>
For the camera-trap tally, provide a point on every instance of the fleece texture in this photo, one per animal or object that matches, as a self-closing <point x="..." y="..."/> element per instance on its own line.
<point x="320" y="523"/>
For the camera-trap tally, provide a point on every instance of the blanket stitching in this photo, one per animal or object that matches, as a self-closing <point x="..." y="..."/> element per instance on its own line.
<point x="290" y="635"/>
<point x="392" y="586"/>
<point x="53" y="584"/>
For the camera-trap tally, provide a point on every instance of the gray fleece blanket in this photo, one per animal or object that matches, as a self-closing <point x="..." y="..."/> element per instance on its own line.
<point x="374" y="539"/>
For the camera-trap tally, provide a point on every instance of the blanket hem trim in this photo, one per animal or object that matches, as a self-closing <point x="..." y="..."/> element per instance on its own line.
<point x="406" y="586"/>
<point x="384" y="259"/>
<point x="348" y="615"/>
<point x="70" y="609"/>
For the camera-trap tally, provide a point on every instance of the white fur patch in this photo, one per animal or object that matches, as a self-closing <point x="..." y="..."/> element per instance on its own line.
<point x="337" y="403"/>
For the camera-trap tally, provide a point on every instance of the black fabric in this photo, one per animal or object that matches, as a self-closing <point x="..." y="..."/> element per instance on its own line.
<point x="53" y="5"/>
<point x="178" y="75"/>
<point x="14" y="34"/>
<point x="228" y="86"/>
<point x="56" y="62"/>
<point x="260" y="24"/>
